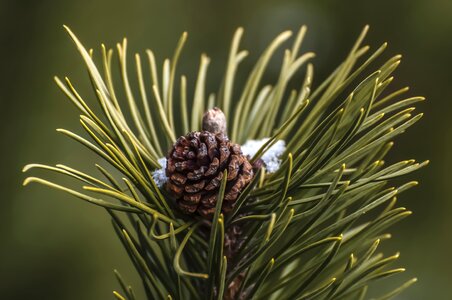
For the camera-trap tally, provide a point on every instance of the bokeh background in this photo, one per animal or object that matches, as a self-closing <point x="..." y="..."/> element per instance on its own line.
<point x="53" y="246"/>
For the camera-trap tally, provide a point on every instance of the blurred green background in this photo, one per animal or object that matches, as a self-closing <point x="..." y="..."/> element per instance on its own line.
<point x="56" y="247"/>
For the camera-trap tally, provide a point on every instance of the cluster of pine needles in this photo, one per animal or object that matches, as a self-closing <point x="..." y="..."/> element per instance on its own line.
<point x="311" y="230"/>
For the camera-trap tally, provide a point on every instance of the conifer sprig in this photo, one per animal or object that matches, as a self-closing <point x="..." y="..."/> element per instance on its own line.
<point x="311" y="230"/>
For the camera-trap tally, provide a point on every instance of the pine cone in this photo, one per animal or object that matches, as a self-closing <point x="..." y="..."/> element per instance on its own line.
<point x="195" y="168"/>
<point x="233" y="241"/>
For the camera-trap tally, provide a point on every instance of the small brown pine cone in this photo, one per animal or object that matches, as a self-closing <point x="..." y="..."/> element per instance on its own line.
<point x="233" y="241"/>
<point x="195" y="166"/>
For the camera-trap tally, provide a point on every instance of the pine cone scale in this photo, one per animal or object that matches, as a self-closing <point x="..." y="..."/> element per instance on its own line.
<point x="215" y="182"/>
<point x="195" y="187"/>
<point x="192" y="198"/>
<point x="179" y="178"/>
<point x="213" y="167"/>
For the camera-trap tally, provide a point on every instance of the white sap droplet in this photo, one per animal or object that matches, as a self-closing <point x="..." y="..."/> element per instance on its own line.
<point x="159" y="175"/>
<point x="271" y="157"/>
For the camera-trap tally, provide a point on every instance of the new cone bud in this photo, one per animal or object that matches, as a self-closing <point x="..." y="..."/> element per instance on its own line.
<point x="195" y="166"/>
<point x="214" y="121"/>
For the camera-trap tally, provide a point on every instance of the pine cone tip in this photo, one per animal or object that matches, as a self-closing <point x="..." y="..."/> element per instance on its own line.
<point x="214" y="121"/>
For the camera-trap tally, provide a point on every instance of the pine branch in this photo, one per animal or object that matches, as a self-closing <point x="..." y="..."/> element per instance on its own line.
<point x="310" y="230"/>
